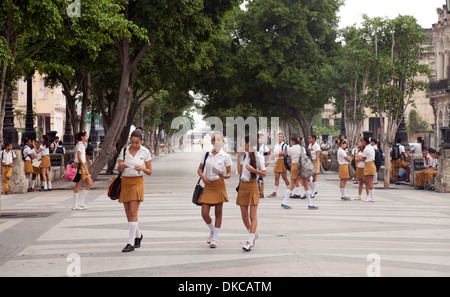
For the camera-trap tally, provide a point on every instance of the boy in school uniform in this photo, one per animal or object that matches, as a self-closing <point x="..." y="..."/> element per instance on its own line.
<point x="8" y="158"/>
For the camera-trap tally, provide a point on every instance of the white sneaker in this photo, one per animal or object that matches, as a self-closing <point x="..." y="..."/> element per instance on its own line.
<point x="78" y="207"/>
<point x="213" y="244"/>
<point x="247" y="246"/>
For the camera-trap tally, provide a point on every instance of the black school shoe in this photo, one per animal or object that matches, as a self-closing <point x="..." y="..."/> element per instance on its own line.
<point x="128" y="248"/>
<point x="137" y="242"/>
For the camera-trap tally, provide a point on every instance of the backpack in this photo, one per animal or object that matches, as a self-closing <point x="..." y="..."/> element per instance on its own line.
<point x="287" y="159"/>
<point x="114" y="187"/>
<point x="305" y="166"/>
<point x="378" y="159"/>
<point x="89" y="149"/>
<point x="395" y="153"/>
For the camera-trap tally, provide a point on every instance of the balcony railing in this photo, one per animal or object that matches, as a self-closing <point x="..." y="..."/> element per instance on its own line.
<point x="440" y="85"/>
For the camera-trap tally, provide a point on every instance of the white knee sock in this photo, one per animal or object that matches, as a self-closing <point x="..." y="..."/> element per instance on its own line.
<point x="251" y="237"/>
<point x="82" y="198"/>
<point x="297" y="190"/>
<point x="342" y="192"/>
<point x="216" y="233"/>
<point x="33" y="182"/>
<point x="132" y="234"/>
<point x="286" y="196"/>
<point x="75" y="200"/>
<point x="314" y="188"/>
<point x="308" y="197"/>
<point x="371" y="192"/>
<point x="49" y="183"/>
<point x="211" y="227"/>
<point x="275" y="189"/>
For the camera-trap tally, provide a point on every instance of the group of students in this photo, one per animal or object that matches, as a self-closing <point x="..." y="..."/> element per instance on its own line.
<point x="36" y="159"/>
<point x="425" y="177"/>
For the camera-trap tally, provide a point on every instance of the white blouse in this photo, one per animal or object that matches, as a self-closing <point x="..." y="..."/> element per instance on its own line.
<point x="369" y="153"/>
<point x="341" y="154"/>
<point x="316" y="147"/>
<point x="295" y="151"/>
<point x="82" y="149"/>
<point x="216" y="165"/>
<point x="45" y="150"/>
<point x="245" y="173"/>
<point x="142" y="156"/>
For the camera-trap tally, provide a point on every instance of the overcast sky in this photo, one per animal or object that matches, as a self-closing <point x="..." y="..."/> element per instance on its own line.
<point x="423" y="10"/>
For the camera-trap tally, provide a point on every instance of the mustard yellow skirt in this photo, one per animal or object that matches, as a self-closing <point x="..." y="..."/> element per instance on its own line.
<point x="131" y="189"/>
<point x="399" y="163"/>
<point x="294" y="171"/>
<point x="248" y="193"/>
<point x="279" y="166"/>
<point x="317" y="165"/>
<point x="343" y="171"/>
<point x="214" y="193"/>
<point x="84" y="174"/>
<point x="45" y="163"/>
<point x="370" y="168"/>
<point x="36" y="170"/>
<point x="28" y="167"/>
<point x="359" y="173"/>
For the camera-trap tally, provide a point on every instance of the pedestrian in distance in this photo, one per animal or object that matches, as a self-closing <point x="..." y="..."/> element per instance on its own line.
<point x="280" y="168"/>
<point x="8" y="158"/>
<point x="343" y="161"/>
<point x="368" y="157"/>
<point x="136" y="163"/>
<point x="249" y="169"/>
<point x="314" y="148"/>
<point x="44" y="151"/>
<point x="294" y="151"/>
<point x="214" y="168"/>
<point x="80" y="161"/>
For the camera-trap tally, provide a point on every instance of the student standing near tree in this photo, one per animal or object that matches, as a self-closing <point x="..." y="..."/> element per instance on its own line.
<point x="343" y="160"/>
<point x="294" y="151"/>
<point x="368" y="157"/>
<point x="360" y="171"/>
<point x="8" y="157"/>
<point x="213" y="172"/>
<point x="44" y="151"/>
<point x="28" y="156"/>
<point x="248" y="195"/>
<point x="136" y="163"/>
<point x="80" y="161"/>
<point x="280" y="168"/>
<point x="314" y="147"/>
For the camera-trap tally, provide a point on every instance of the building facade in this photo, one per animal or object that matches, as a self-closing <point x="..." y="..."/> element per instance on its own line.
<point x="49" y="106"/>
<point x="439" y="93"/>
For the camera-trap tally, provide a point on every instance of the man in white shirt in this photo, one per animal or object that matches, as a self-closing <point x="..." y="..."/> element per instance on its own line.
<point x="8" y="158"/>
<point x="325" y="146"/>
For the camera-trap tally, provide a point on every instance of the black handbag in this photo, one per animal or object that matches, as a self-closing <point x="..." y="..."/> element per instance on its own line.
<point x="115" y="186"/>
<point x="198" y="191"/>
<point x="77" y="176"/>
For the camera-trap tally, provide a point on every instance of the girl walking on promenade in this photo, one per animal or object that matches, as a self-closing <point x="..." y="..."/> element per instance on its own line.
<point x="134" y="165"/>
<point x="80" y="160"/>
<point x="248" y="195"/>
<point x="360" y="171"/>
<point x="294" y="152"/>
<point x="213" y="172"/>
<point x="343" y="160"/>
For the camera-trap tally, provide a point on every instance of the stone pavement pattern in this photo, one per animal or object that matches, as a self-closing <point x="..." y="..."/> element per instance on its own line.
<point x="408" y="230"/>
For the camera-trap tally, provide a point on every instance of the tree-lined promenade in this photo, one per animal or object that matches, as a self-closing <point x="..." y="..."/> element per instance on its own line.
<point x="139" y="62"/>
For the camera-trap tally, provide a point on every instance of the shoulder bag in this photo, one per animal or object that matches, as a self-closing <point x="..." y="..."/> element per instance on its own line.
<point x="198" y="191"/>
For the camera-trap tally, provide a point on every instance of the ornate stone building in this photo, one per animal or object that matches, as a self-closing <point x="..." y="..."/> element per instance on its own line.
<point x="439" y="93"/>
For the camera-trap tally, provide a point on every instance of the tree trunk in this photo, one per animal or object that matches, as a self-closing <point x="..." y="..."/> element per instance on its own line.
<point x="86" y="101"/>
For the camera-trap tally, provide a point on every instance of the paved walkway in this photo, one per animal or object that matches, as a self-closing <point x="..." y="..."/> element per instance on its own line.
<point x="404" y="233"/>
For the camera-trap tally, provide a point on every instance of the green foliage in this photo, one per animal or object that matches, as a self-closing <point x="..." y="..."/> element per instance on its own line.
<point x="415" y="123"/>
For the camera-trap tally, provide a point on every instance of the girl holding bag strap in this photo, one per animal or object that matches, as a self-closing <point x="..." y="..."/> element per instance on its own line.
<point x="136" y="163"/>
<point x="248" y="195"/>
<point x="217" y="167"/>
